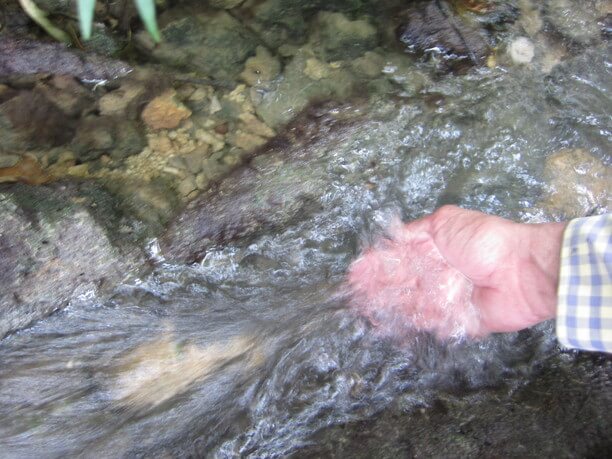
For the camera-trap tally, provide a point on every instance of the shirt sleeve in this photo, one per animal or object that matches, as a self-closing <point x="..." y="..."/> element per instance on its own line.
<point x="584" y="307"/>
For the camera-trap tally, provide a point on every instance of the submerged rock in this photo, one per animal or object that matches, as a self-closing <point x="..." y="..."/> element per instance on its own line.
<point x="260" y="69"/>
<point x="579" y="184"/>
<point x="213" y="44"/>
<point x="157" y="371"/>
<point x="340" y="38"/>
<point x="165" y="112"/>
<point x="433" y="29"/>
<point x="37" y="121"/>
<point x="54" y="247"/>
<point x="259" y="196"/>
<point x="24" y="169"/>
<point x="23" y="56"/>
<point x="575" y="21"/>
<point x="305" y="80"/>
<point x="225" y="4"/>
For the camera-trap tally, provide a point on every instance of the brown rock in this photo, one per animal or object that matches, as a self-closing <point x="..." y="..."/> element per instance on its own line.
<point x="246" y="140"/>
<point x="165" y="112"/>
<point x="578" y="182"/>
<point x="38" y="120"/>
<point x="116" y="102"/>
<point x="27" y="170"/>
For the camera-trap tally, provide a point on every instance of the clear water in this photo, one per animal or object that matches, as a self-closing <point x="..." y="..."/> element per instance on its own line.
<point x="254" y="352"/>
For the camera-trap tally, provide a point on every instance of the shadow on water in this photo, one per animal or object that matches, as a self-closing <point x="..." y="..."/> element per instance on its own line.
<point x="254" y="352"/>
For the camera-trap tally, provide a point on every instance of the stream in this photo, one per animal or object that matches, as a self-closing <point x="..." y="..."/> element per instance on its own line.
<point x="254" y="350"/>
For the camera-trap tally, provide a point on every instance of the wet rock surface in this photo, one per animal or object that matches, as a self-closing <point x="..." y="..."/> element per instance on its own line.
<point x="578" y="25"/>
<point x="256" y="197"/>
<point x="433" y="28"/>
<point x="215" y="44"/>
<point x="56" y="243"/>
<point x="579" y="184"/>
<point x="557" y="414"/>
<point x="25" y="56"/>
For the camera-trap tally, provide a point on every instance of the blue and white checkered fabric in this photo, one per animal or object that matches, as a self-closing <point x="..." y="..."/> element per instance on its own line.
<point x="584" y="308"/>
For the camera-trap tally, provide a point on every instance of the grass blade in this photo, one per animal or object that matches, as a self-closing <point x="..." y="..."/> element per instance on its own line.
<point x="146" y="10"/>
<point x="86" y="12"/>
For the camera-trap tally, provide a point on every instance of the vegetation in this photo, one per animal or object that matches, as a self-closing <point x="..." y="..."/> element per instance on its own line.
<point x="85" y="11"/>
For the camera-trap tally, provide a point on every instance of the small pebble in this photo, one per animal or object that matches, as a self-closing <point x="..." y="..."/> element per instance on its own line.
<point x="521" y="50"/>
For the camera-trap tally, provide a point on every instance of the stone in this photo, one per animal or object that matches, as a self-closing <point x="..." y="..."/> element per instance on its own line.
<point x="187" y="186"/>
<point x="7" y="160"/>
<point x="316" y="69"/>
<point x="38" y="121"/>
<point x="54" y="248"/>
<point x="254" y="125"/>
<point x="215" y="44"/>
<point x="202" y="181"/>
<point x="369" y="65"/>
<point x="280" y="22"/>
<point x="215" y="141"/>
<point x="225" y="4"/>
<point x="521" y="50"/>
<point x="162" y="369"/>
<point x="152" y="202"/>
<point x="116" y="102"/>
<point x="160" y="143"/>
<point x="165" y="112"/>
<point x="261" y="68"/>
<point x="80" y="170"/>
<point x="575" y="21"/>
<point x="530" y="19"/>
<point x="104" y="41"/>
<point x="340" y="38"/>
<point x="245" y="140"/>
<point x="193" y="161"/>
<point x="24" y="56"/>
<point x="99" y="135"/>
<point x="26" y="170"/>
<point x="579" y="184"/>
<point x="276" y="188"/>
<point x="296" y="90"/>
<point x="433" y="30"/>
<point x="67" y="94"/>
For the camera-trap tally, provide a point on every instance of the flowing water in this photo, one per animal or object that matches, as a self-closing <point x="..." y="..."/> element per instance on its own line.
<point x="255" y="352"/>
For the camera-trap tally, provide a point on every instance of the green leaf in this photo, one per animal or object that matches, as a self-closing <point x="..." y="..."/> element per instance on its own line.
<point x="146" y="10"/>
<point x="86" y="12"/>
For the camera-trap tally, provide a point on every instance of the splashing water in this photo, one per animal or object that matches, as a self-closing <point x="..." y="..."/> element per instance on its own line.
<point x="403" y="284"/>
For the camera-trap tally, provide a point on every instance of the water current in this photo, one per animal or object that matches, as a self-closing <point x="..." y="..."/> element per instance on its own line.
<point x="254" y="352"/>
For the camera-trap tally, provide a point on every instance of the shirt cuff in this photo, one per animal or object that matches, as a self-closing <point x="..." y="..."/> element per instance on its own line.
<point x="584" y="301"/>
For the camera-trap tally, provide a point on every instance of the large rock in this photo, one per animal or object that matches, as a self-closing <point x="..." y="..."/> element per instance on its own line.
<point x="23" y="56"/>
<point x="432" y="28"/>
<point x="215" y="44"/>
<point x="259" y="197"/>
<point x="306" y="79"/>
<point x="577" y="22"/>
<point x="340" y="38"/>
<point x="59" y="111"/>
<point x="54" y="247"/>
<point x="578" y="183"/>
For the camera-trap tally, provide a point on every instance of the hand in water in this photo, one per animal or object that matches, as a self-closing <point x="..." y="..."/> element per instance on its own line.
<point x="514" y="267"/>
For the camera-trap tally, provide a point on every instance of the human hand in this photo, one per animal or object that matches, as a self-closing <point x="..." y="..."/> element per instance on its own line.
<point x="513" y="267"/>
<point x="458" y="272"/>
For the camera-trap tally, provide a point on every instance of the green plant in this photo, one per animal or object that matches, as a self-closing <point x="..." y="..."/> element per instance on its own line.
<point x="146" y="10"/>
<point x="85" y="10"/>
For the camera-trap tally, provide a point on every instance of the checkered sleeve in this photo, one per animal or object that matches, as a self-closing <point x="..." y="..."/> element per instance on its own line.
<point x="584" y="307"/>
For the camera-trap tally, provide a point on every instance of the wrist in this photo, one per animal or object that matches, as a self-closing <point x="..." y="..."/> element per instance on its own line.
<point x="541" y="276"/>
